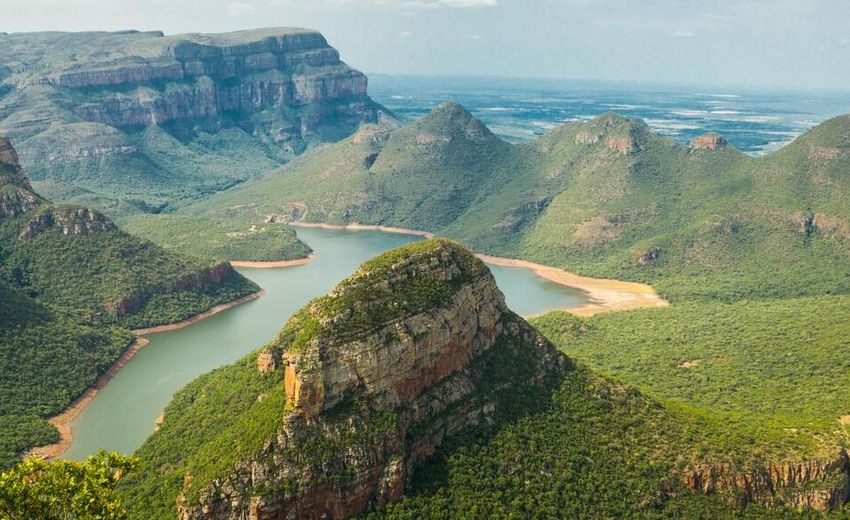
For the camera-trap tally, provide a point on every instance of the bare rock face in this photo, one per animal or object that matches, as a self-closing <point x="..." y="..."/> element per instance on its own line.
<point x="70" y="221"/>
<point x="710" y="141"/>
<point x="817" y="484"/>
<point x="380" y="372"/>
<point x="16" y="195"/>
<point x="131" y="80"/>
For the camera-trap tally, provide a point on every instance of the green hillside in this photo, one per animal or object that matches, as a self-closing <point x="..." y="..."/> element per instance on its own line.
<point x="604" y="198"/>
<point x="72" y="284"/>
<point x="219" y="238"/>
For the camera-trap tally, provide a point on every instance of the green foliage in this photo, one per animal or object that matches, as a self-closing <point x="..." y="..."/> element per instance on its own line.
<point x="219" y="418"/>
<point x="46" y="361"/>
<point x="89" y="274"/>
<point x="59" y="490"/>
<point x="220" y="239"/>
<point x="595" y="450"/>
<point x="723" y="225"/>
<point x="770" y="374"/>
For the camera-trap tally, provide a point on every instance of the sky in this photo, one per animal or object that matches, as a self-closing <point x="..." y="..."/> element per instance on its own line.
<point x="791" y="44"/>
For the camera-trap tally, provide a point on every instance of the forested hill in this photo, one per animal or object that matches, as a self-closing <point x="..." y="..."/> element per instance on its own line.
<point x="607" y="197"/>
<point x="72" y="283"/>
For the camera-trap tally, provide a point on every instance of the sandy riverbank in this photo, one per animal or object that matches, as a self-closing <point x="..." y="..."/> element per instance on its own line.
<point x="202" y="316"/>
<point x="272" y="265"/>
<point x="604" y="295"/>
<point x="64" y="420"/>
<point x="365" y="227"/>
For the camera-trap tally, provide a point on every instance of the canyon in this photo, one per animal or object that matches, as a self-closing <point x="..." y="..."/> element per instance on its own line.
<point x="118" y="123"/>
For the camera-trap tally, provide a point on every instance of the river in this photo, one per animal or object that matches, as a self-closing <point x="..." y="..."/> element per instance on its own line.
<point x="122" y="415"/>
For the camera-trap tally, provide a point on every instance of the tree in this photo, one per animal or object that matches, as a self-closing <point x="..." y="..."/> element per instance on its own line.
<point x="63" y="489"/>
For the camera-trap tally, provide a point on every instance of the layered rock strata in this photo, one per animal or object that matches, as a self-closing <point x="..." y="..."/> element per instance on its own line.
<point x="379" y="373"/>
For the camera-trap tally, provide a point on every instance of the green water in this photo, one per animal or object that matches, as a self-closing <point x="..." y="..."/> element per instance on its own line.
<point x="123" y="414"/>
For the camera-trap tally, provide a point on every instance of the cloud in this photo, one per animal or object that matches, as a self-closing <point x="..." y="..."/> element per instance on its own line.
<point x="682" y="33"/>
<point x="406" y="34"/>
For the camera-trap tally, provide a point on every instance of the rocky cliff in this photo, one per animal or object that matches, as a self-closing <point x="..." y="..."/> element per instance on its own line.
<point x="378" y="373"/>
<point x="16" y="196"/>
<point x="86" y="98"/>
<point x="818" y="484"/>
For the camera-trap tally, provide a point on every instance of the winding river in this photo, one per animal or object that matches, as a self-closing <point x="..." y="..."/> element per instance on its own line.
<point x="122" y="415"/>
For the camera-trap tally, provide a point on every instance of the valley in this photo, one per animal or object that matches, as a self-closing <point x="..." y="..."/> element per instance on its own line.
<point x="234" y="286"/>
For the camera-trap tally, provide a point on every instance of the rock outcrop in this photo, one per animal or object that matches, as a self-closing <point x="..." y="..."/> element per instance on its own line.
<point x="70" y="221"/>
<point x="16" y="195"/>
<point x="78" y="105"/>
<point x="396" y="359"/>
<point x="710" y="141"/>
<point x="818" y="484"/>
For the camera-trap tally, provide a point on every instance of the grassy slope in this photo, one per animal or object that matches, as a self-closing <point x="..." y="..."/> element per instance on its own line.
<point x="725" y="225"/>
<point x="221" y="239"/>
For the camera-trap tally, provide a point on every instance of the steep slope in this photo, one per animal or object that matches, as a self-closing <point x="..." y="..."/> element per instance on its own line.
<point x="69" y="279"/>
<point x="606" y="198"/>
<point x="137" y="121"/>
<point x="411" y="391"/>
<point x="360" y="386"/>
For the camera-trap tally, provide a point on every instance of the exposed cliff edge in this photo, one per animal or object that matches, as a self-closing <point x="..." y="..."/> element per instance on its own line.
<point x="818" y="484"/>
<point x="363" y="384"/>
<point x="152" y="107"/>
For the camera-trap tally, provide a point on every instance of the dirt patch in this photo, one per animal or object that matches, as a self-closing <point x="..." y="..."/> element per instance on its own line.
<point x="690" y="364"/>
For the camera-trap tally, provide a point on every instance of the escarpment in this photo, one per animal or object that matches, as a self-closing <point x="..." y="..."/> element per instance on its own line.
<point x="416" y="346"/>
<point x="98" y="109"/>
<point x="818" y="484"/>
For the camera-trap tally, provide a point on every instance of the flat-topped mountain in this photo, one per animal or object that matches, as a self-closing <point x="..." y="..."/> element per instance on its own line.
<point x="71" y="282"/>
<point x="139" y="120"/>
<point x="400" y="357"/>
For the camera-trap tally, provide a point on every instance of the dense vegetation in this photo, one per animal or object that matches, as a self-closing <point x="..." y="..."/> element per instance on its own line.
<point x="71" y="284"/>
<point x="770" y="374"/>
<point x="37" y="489"/>
<point x="597" y="450"/>
<point x="605" y="198"/>
<point x="46" y="361"/>
<point x="210" y="424"/>
<point x="221" y="239"/>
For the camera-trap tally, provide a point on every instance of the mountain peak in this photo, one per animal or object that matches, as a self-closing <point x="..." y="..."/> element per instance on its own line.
<point x="397" y="358"/>
<point x="448" y="120"/>
<point x="622" y="135"/>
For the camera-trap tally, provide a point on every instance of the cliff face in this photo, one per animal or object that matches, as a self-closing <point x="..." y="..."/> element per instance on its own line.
<point x="379" y="373"/>
<point x="16" y="196"/>
<point x="816" y="484"/>
<point x="285" y="88"/>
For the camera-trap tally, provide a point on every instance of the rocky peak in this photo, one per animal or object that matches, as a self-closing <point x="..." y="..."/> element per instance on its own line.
<point x="619" y="134"/>
<point x="709" y="141"/>
<point x="380" y="371"/>
<point x="10" y="167"/>
<point x="16" y="195"/>
<point x="447" y="122"/>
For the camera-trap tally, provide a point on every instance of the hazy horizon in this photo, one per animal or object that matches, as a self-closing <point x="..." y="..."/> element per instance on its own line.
<point x="778" y="44"/>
